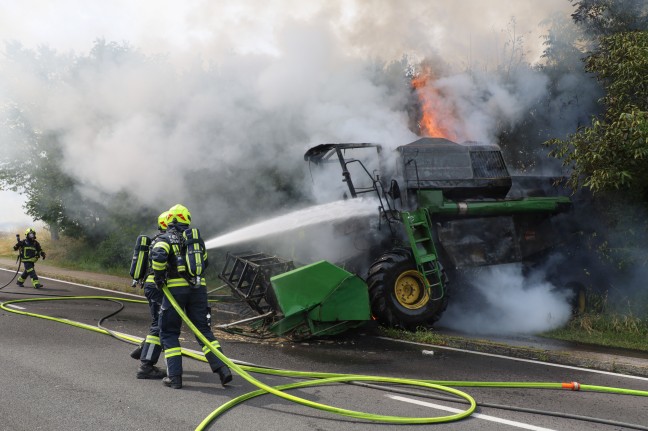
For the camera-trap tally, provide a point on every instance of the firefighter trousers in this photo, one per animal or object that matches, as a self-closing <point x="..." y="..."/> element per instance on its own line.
<point x="30" y="271"/>
<point x="193" y="300"/>
<point x="152" y="346"/>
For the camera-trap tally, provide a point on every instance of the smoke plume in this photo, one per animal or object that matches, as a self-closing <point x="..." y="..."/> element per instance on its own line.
<point x="234" y="92"/>
<point x="507" y="302"/>
<point x="213" y="104"/>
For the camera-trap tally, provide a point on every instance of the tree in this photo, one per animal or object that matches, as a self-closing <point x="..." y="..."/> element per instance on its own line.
<point x="612" y="153"/>
<point x="607" y="17"/>
<point x="31" y="153"/>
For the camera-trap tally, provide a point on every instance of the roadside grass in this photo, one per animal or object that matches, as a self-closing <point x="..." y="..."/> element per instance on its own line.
<point x="602" y="324"/>
<point x="605" y="329"/>
<point x="425" y="336"/>
<point x="68" y="253"/>
<point x="596" y="329"/>
<point x="598" y="326"/>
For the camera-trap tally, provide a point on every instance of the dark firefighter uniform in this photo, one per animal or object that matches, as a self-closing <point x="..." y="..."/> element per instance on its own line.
<point x="30" y="250"/>
<point x="168" y="267"/>
<point x="149" y="352"/>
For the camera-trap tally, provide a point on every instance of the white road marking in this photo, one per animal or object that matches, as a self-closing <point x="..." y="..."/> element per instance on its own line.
<point x="100" y="288"/>
<point x="474" y="415"/>
<point x="81" y="285"/>
<point x="16" y="306"/>
<point x="531" y="361"/>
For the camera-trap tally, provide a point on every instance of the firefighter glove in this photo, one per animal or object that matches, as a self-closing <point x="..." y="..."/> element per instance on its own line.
<point x="43" y="255"/>
<point x="159" y="279"/>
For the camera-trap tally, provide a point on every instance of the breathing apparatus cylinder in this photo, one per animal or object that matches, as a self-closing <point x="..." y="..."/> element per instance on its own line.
<point x="193" y="251"/>
<point x="140" y="260"/>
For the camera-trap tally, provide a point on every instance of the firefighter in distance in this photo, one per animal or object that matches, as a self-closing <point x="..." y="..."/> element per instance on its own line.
<point x="30" y="251"/>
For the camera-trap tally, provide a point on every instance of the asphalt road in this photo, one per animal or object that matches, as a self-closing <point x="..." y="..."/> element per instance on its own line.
<point x="60" y="377"/>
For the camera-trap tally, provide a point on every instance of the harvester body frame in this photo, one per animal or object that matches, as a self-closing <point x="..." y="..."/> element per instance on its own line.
<point x="447" y="186"/>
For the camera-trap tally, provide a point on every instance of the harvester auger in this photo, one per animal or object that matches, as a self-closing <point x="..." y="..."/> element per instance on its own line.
<point x="455" y="211"/>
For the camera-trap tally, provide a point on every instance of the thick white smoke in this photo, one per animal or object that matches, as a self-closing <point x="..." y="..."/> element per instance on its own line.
<point x="240" y="90"/>
<point x="238" y="83"/>
<point x="507" y="302"/>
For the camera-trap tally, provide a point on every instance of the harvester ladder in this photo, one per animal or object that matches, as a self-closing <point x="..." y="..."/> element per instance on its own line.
<point x="419" y="232"/>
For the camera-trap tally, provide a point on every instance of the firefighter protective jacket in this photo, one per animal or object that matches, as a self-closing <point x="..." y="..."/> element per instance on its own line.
<point x="167" y="259"/>
<point x="30" y="250"/>
<point x="150" y="273"/>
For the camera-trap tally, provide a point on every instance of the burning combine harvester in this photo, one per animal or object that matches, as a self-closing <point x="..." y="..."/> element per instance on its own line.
<point x="445" y="205"/>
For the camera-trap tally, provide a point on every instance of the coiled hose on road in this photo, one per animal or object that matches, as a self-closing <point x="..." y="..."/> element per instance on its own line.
<point x="320" y="378"/>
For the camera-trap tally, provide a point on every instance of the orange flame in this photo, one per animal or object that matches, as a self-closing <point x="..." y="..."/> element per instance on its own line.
<point x="434" y="122"/>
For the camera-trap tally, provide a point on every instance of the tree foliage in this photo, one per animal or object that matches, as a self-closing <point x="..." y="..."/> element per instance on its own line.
<point x="34" y="170"/>
<point x="32" y="154"/>
<point x="612" y="153"/>
<point x="600" y="18"/>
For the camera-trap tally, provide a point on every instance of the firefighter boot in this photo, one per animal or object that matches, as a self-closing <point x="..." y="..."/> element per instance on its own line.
<point x="225" y="375"/>
<point x="148" y="371"/>
<point x="20" y="284"/>
<point x="174" y="382"/>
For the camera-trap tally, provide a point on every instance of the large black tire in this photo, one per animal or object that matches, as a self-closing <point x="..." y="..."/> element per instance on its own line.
<point x="397" y="294"/>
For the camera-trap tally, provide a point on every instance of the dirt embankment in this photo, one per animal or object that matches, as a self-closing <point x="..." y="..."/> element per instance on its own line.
<point x="112" y="282"/>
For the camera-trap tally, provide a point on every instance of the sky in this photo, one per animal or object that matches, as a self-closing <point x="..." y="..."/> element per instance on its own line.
<point x="13" y="214"/>
<point x="212" y="29"/>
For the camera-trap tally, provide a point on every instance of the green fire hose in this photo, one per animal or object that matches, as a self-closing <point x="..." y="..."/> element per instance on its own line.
<point x="317" y="378"/>
<point x="331" y="378"/>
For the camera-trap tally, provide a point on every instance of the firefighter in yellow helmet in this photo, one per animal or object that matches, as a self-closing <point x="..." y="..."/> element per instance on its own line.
<point x="169" y="270"/>
<point x="30" y="250"/>
<point x="149" y="351"/>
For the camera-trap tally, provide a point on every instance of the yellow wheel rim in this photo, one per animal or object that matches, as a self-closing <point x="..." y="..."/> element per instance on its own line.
<point x="410" y="290"/>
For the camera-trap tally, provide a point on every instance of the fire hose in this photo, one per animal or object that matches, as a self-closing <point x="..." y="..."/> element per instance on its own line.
<point x="321" y="378"/>
<point x="18" y="260"/>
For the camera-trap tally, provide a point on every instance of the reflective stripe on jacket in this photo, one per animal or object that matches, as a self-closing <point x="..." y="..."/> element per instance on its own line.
<point x="164" y="259"/>
<point x="30" y="250"/>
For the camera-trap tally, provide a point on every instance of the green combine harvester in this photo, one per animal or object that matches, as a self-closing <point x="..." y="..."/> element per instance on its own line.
<point x="445" y="206"/>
